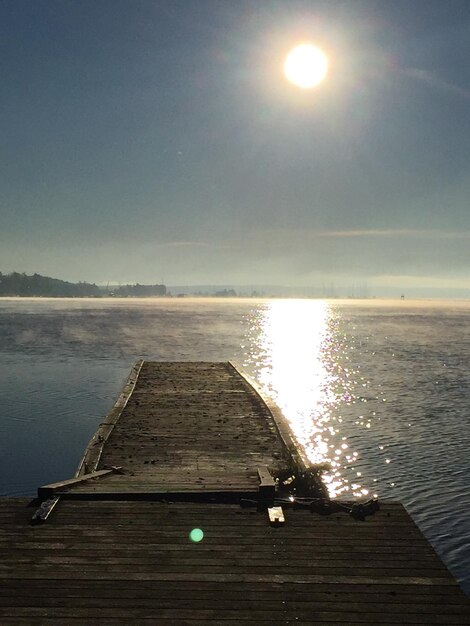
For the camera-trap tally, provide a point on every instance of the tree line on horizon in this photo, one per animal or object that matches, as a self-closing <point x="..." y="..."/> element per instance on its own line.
<point x="138" y="291"/>
<point x="22" y="285"/>
<point x="16" y="284"/>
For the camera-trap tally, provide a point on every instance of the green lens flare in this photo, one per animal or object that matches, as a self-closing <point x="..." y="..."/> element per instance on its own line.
<point x="196" y="535"/>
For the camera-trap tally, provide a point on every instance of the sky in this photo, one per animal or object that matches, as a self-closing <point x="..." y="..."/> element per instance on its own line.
<point x="158" y="140"/>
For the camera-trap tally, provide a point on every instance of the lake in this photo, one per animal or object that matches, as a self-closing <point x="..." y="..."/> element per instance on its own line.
<point x="379" y="389"/>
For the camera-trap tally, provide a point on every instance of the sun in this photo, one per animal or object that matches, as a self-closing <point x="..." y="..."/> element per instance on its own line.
<point x="306" y="66"/>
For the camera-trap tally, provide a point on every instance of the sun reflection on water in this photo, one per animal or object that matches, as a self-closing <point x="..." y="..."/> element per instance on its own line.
<point x="301" y="363"/>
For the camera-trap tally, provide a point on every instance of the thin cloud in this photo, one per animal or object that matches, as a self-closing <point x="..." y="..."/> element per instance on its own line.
<point x="366" y="232"/>
<point x="369" y="233"/>
<point x="434" y="81"/>
<point x="286" y="239"/>
<point x="412" y="232"/>
<point x="183" y="244"/>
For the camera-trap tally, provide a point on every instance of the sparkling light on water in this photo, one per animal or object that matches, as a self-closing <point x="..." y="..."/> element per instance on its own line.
<point x="398" y="377"/>
<point x="299" y="365"/>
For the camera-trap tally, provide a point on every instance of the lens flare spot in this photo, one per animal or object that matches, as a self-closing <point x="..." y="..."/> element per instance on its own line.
<point x="196" y="535"/>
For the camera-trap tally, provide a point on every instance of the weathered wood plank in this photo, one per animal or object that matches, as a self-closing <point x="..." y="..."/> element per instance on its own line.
<point x="253" y="602"/>
<point x="47" y="491"/>
<point x="162" y="589"/>
<point x="154" y="432"/>
<point x="200" y="429"/>
<point x="242" y="614"/>
<point x="94" y="449"/>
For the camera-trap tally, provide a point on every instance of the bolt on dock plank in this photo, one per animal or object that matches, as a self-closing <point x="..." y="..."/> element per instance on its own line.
<point x="112" y="554"/>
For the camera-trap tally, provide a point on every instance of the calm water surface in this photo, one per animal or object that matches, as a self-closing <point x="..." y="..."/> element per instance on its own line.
<point x="379" y="390"/>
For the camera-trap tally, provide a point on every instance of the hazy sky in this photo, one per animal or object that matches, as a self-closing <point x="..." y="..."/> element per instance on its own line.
<point x="143" y="140"/>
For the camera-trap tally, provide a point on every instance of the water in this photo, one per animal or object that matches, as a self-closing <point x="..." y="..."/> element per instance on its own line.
<point x="380" y="391"/>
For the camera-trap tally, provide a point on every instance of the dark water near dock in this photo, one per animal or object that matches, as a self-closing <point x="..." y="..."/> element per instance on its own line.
<point x="380" y="390"/>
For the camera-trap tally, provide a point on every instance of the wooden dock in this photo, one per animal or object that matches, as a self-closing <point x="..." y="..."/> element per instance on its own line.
<point x="193" y="446"/>
<point x="184" y="427"/>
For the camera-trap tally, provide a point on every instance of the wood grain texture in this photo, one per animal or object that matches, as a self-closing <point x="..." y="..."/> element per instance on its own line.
<point x="91" y="456"/>
<point x="192" y="440"/>
<point x="185" y="426"/>
<point x="133" y="562"/>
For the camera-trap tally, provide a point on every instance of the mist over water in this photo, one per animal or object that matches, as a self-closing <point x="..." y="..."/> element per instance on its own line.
<point x="379" y="390"/>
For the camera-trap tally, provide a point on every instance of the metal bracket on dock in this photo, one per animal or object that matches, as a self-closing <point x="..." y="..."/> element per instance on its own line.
<point x="45" y="509"/>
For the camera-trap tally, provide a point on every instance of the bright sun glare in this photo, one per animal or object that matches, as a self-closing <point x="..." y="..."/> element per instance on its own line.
<point x="306" y="66"/>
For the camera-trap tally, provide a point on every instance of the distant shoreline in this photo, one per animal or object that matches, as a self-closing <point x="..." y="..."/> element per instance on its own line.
<point x="191" y="299"/>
